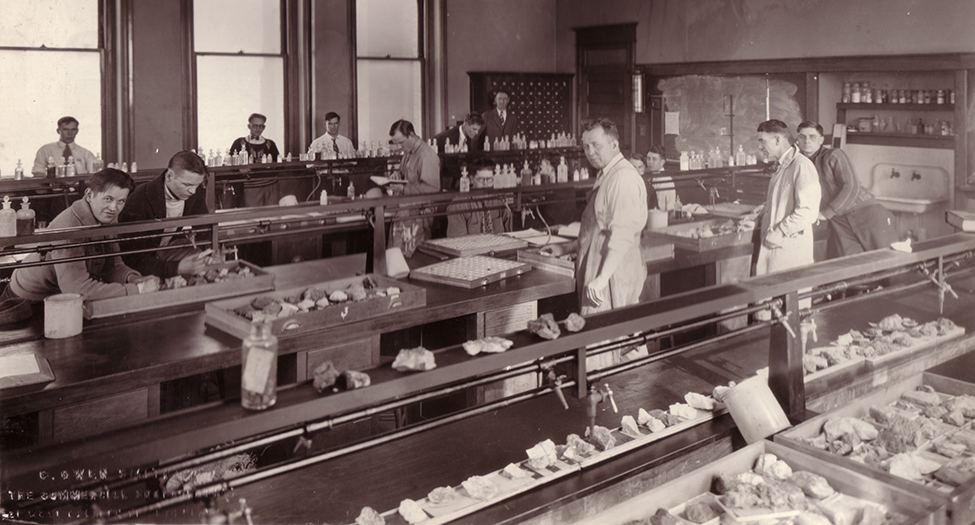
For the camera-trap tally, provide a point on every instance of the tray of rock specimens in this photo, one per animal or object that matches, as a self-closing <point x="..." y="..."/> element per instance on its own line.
<point x="890" y="338"/>
<point x="546" y="462"/>
<point x="221" y="279"/>
<point x="768" y="483"/>
<point x="321" y="305"/>
<point x="916" y="435"/>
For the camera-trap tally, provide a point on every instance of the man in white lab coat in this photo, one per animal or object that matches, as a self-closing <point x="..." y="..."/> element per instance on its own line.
<point x="791" y="204"/>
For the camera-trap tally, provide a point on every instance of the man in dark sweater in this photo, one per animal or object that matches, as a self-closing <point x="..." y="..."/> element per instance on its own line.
<point x="177" y="192"/>
<point x="857" y="222"/>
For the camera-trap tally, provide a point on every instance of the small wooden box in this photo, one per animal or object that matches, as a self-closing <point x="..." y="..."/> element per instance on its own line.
<point x="260" y="281"/>
<point x="672" y="234"/>
<point x="915" y="508"/>
<point x="221" y="315"/>
<point x="960" y="502"/>
<point x="538" y="261"/>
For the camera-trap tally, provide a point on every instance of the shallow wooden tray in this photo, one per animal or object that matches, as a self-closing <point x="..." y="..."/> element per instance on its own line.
<point x="704" y="243"/>
<point x="920" y="344"/>
<point x="474" y="244"/>
<point x="470" y="272"/>
<point x="959" y="501"/>
<point x="914" y="507"/>
<point x="260" y="281"/>
<point x="546" y="263"/>
<point x="220" y="314"/>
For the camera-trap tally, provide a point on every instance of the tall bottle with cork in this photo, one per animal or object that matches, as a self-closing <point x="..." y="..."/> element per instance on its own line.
<point x="259" y="367"/>
<point x="25" y="219"/>
<point x="562" y="174"/>
<point x="465" y="181"/>
<point x="8" y="219"/>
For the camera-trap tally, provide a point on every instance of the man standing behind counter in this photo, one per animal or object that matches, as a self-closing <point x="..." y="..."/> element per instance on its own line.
<point x="467" y="133"/>
<point x="259" y="192"/>
<point x="64" y="148"/>
<point x="331" y="141"/>
<point x="858" y="223"/>
<point x="662" y="185"/>
<point x="791" y="204"/>
<point x="609" y="269"/>
<point x="499" y="122"/>
<point x="174" y="193"/>
<point x="96" y="278"/>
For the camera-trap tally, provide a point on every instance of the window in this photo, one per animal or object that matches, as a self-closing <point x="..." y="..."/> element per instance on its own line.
<point x="239" y="70"/>
<point x="51" y="59"/>
<point x="389" y="66"/>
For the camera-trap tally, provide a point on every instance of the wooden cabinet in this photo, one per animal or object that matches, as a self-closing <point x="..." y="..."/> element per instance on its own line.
<point x="891" y="136"/>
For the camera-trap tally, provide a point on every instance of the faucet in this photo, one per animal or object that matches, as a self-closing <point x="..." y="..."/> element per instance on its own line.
<point x="556" y="381"/>
<point x="894" y="174"/>
<point x="915" y="176"/>
<point x="596" y="397"/>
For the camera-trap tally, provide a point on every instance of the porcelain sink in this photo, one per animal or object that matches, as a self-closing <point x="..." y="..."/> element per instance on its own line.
<point x="909" y="189"/>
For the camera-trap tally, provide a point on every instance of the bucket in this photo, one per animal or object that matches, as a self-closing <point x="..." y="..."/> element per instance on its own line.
<point x="62" y="315"/>
<point x="656" y="219"/>
<point x="755" y="410"/>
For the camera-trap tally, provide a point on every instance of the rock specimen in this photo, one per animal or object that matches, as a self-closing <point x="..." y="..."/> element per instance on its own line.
<point x="417" y="359"/>
<point x="325" y="376"/>
<point x="480" y="488"/>
<point x="487" y="345"/>
<point x="574" y="322"/>
<point x="545" y="327"/>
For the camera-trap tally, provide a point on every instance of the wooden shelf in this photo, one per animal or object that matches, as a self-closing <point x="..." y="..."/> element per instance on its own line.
<point x="900" y="107"/>
<point x="894" y="139"/>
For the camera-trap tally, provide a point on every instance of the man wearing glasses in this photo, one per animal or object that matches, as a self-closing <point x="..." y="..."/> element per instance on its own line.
<point x="332" y="144"/>
<point x="471" y="215"/>
<point x="258" y="192"/>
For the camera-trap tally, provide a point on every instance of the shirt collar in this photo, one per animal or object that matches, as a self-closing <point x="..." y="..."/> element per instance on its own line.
<point x="169" y="194"/>
<point x="609" y="167"/>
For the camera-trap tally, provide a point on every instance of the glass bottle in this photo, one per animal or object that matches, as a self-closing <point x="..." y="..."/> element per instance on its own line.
<point x="465" y="181"/>
<point x="25" y="219"/>
<point x="259" y="367"/>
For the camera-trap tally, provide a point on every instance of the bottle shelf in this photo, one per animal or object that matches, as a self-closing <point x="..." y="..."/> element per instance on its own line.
<point x="900" y="107"/>
<point x="900" y="139"/>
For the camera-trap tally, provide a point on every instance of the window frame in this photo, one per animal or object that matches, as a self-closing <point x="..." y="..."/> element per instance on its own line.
<point x="109" y="61"/>
<point x="290" y="67"/>
<point x="421" y="58"/>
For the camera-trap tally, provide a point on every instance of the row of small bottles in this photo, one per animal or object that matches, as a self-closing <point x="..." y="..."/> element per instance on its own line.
<point x="862" y="93"/>
<point x="16" y="223"/>
<point x="505" y="176"/>
<point x="909" y="126"/>
<point x="695" y="160"/>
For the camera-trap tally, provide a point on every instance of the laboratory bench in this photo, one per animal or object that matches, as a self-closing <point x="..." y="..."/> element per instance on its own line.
<point x="325" y="479"/>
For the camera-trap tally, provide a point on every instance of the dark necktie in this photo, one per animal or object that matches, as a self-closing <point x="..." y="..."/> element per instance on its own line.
<point x="502" y="119"/>
<point x="772" y="168"/>
<point x="335" y="146"/>
<point x="67" y="153"/>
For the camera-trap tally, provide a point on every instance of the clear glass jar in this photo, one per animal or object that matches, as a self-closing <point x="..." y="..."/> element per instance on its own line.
<point x="259" y="367"/>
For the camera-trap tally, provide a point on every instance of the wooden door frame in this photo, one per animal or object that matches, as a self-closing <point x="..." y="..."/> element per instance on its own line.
<point x="605" y="37"/>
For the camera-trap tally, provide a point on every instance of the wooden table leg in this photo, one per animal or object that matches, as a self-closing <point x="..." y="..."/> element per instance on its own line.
<point x="785" y="361"/>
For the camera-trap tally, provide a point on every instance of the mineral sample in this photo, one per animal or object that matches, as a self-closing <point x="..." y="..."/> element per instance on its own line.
<point x="411" y="511"/>
<point x="629" y="427"/>
<point x="574" y="322"/>
<point x="354" y="379"/>
<point x="442" y="496"/>
<point x="369" y="516"/>
<point x="417" y="359"/>
<point x="698" y="401"/>
<point x="603" y="437"/>
<point x="487" y="345"/>
<point x="513" y="471"/>
<point x="699" y="512"/>
<point x="545" y="327"/>
<point x="542" y="455"/>
<point x="479" y="487"/>
<point x="813" y="485"/>
<point x="325" y="376"/>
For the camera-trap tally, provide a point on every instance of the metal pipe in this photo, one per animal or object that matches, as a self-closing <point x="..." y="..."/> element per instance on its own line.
<point x="636" y="363"/>
<point x="879" y="293"/>
<point x="246" y="479"/>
